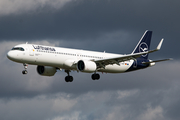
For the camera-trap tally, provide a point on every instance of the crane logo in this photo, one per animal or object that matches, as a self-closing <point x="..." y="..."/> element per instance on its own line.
<point x="143" y="47"/>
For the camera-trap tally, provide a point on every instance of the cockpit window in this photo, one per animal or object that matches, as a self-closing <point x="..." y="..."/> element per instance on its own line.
<point x="18" y="48"/>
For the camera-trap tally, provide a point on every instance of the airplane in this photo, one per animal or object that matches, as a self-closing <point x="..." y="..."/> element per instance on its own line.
<point x="50" y="59"/>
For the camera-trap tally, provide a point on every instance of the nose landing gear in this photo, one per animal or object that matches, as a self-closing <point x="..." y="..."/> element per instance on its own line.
<point x="25" y="67"/>
<point x="24" y="72"/>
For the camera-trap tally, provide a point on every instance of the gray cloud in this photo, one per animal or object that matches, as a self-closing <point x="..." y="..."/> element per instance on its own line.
<point x="16" y="7"/>
<point x="91" y="21"/>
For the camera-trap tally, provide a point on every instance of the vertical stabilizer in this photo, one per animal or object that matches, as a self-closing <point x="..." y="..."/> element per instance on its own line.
<point x="144" y="44"/>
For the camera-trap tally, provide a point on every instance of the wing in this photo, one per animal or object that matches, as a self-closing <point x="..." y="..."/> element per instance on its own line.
<point x="116" y="60"/>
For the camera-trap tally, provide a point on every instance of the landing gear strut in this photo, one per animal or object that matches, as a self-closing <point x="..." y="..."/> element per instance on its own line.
<point x="95" y="76"/>
<point x="68" y="78"/>
<point x="25" y="67"/>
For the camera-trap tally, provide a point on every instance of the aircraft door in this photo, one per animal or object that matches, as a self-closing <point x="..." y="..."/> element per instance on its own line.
<point x="31" y="50"/>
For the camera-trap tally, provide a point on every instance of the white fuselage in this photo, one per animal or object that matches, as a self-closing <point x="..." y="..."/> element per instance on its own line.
<point x="63" y="58"/>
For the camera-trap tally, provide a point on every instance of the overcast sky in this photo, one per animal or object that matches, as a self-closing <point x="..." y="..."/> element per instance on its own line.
<point x="111" y="25"/>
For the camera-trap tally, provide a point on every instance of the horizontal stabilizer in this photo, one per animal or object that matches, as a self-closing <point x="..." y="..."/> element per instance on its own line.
<point x="157" y="61"/>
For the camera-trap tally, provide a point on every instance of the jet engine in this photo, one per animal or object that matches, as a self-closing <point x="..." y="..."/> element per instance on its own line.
<point x="86" y="66"/>
<point x="46" y="70"/>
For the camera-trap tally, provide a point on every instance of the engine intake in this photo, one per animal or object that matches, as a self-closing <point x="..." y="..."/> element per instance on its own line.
<point x="86" y="66"/>
<point x="46" y="70"/>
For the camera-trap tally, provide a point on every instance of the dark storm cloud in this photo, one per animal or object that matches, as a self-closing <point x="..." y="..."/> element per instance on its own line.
<point x="90" y="21"/>
<point x="87" y="19"/>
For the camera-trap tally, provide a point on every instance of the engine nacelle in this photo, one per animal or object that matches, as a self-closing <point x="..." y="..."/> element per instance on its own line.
<point x="46" y="70"/>
<point x="86" y="66"/>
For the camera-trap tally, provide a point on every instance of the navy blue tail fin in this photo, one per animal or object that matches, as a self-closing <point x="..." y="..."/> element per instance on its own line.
<point x="144" y="44"/>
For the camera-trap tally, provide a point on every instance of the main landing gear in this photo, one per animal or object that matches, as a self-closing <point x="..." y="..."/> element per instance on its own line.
<point x="25" y="67"/>
<point x="68" y="78"/>
<point x="95" y="76"/>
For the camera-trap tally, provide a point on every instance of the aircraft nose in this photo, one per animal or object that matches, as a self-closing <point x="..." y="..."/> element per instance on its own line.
<point x="10" y="55"/>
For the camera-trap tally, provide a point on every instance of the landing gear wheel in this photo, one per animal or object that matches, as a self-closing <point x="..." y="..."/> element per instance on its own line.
<point x="68" y="78"/>
<point x="95" y="76"/>
<point x="25" y="67"/>
<point x="24" y="72"/>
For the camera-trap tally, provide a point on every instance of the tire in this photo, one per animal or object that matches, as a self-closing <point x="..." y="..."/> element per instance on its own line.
<point x="66" y="79"/>
<point x="95" y="76"/>
<point x="70" y="78"/>
<point x="24" y="72"/>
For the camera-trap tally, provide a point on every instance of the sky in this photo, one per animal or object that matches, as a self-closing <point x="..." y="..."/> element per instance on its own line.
<point x="113" y="26"/>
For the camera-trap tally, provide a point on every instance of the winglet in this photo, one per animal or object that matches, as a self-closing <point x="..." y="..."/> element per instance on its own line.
<point x="158" y="47"/>
<point x="160" y="44"/>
